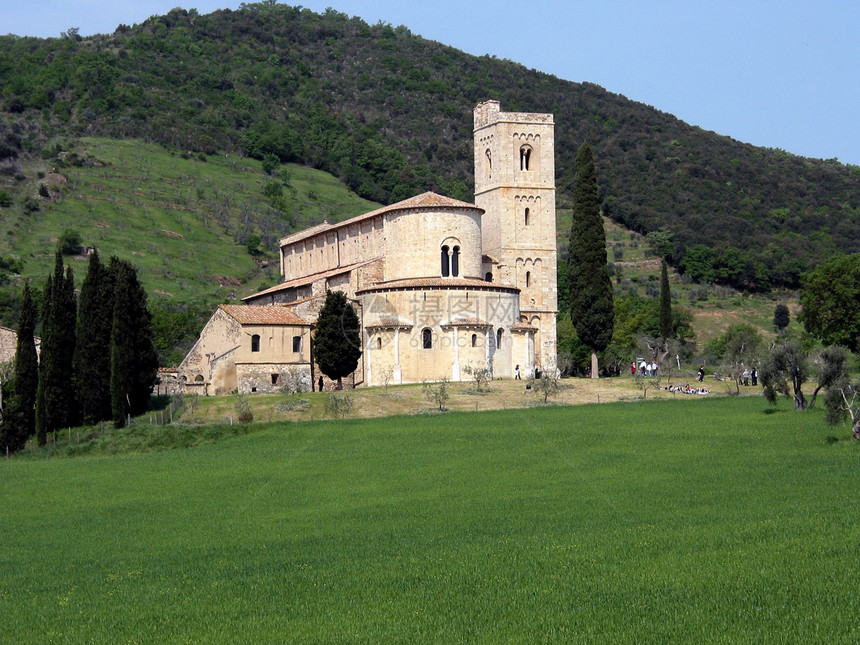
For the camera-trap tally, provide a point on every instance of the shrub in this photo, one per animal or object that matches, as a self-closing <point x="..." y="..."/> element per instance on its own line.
<point x="70" y="242"/>
<point x="244" y="414"/>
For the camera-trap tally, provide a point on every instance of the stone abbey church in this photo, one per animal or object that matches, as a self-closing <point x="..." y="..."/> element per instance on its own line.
<point x="440" y="286"/>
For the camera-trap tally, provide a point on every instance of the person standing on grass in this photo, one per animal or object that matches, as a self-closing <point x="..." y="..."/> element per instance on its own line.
<point x="517" y="373"/>
<point x="701" y="373"/>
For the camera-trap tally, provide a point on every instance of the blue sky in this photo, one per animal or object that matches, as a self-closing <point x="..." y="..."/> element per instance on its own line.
<point x="783" y="74"/>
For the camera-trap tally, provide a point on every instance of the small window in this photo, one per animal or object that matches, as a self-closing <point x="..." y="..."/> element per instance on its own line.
<point x="274" y="379"/>
<point x="528" y="279"/>
<point x="297" y="344"/>
<point x="445" y="262"/>
<point x="474" y="340"/>
<point x="526" y="217"/>
<point x="379" y="343"/>
<point x="499" y="337"/>
<point x="489" y="155"/>
<point x="199" y="378"/>
<point x="255" y="343"/>
<point x="427" y="339"/>
<point x="455" y="262"/>
<point x="488" y="277"/>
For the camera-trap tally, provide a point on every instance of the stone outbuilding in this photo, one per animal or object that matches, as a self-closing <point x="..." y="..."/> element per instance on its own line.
<point x="246" y="349"/>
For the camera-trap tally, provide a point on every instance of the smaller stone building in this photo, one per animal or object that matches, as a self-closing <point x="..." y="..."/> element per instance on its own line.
<point x="246" y="349"/>
<point x="9" y="344"/>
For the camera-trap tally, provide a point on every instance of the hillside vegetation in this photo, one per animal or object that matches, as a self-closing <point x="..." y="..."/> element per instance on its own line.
<point x="390" y="114"/>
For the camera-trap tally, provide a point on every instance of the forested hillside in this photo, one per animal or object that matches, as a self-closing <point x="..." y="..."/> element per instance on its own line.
<point x="390" y="113"/>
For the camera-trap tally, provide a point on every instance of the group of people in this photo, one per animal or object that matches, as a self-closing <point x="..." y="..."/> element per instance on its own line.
<point x="750" y="375"/>
<point x="645" y="369"/>
<point x="686" y="389"/>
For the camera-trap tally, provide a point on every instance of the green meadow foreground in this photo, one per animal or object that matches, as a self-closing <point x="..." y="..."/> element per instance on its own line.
<point x="717" y="520"/>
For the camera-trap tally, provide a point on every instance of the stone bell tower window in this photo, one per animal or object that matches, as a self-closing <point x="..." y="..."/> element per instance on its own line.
<point x="525" y="157"/>
<point x="526" y="217"/>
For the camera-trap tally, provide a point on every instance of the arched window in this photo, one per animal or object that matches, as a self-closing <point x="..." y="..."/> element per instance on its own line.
<point x="488" y="277"/>
<point x="489" y="156"/>
<point x="455" y="262"/>
<point x="526" y="218"/>
<point x="255" y="343"/>
<point x="525" y="157"/>
<point x="528" y="279"/>
<point x="499" y="337"/>
<point x="378" y="342"/>
<point x="427" y="338"/>
<point x="445" y="262"/>
<point x="474" y="340"/>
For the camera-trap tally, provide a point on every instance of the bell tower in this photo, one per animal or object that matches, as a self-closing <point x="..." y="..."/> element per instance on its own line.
<point x="515" y="185"/>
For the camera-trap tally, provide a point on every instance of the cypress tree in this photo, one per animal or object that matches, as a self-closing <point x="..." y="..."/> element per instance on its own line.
<point x="55" y="398"/>
<point x="20" y="422"/>
<point x="92" y="350"/>
<point x="666" y="330"/>
<point x="591" y="305"/>
<point x="134" y="362"/>
<point x="45" y="358"/>
<point x="337" y="344"/>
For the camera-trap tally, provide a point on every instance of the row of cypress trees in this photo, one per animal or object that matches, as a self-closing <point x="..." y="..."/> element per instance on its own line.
<point x="97" y="362"/>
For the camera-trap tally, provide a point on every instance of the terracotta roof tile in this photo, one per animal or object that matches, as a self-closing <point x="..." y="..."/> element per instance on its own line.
<point x="262" y="315"/>
<point x="451" y="283"/>
<point x="467" y="322"/>
<point x="389" y="323"/>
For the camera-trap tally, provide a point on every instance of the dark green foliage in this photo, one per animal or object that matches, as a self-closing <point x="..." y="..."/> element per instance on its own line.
<point x="666" y="330"/>
<point x="92" y="351"/>
<point x="781" y="317"/>
<point x="55" y="398"/>
<point x="591" y="309"/>
<point x="176" y="326"/>
<point x="785" y="367"/>
<point x="70" y="242"/>
<point x="830" y="302"/>
<point x="19" y="422"/>
<point x="282" y="81"/>
<point x="134" y="363"/>
<point x="337" y="344"/>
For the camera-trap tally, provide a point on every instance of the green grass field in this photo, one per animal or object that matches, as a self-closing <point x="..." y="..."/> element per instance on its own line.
<point x="713" y="520"/>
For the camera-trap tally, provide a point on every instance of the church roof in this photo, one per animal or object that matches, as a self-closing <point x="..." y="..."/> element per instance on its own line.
<point x="307" y="279"/>
<point x="449" y="283"/>
<point x="424" y="201"/>
<point x="262" y="315"/>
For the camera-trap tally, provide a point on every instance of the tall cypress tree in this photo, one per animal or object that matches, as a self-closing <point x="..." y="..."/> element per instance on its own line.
<point x="55" y="398"/>
<point x="337" y="344"/>
<point x="591" y="305"/>
<point x="134" y="362"/>
<point x="20" y="421"/>
<point x="666" y="330"/>
<point x="92" y="350"/>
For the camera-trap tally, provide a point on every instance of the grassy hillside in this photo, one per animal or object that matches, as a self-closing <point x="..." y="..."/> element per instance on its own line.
<point x="726" y="522"/>
<point x="181" y="219"/>
<point x="389" y="113"/>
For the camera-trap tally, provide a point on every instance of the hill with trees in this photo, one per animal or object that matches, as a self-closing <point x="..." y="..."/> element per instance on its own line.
<point x="390" y="114"/>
